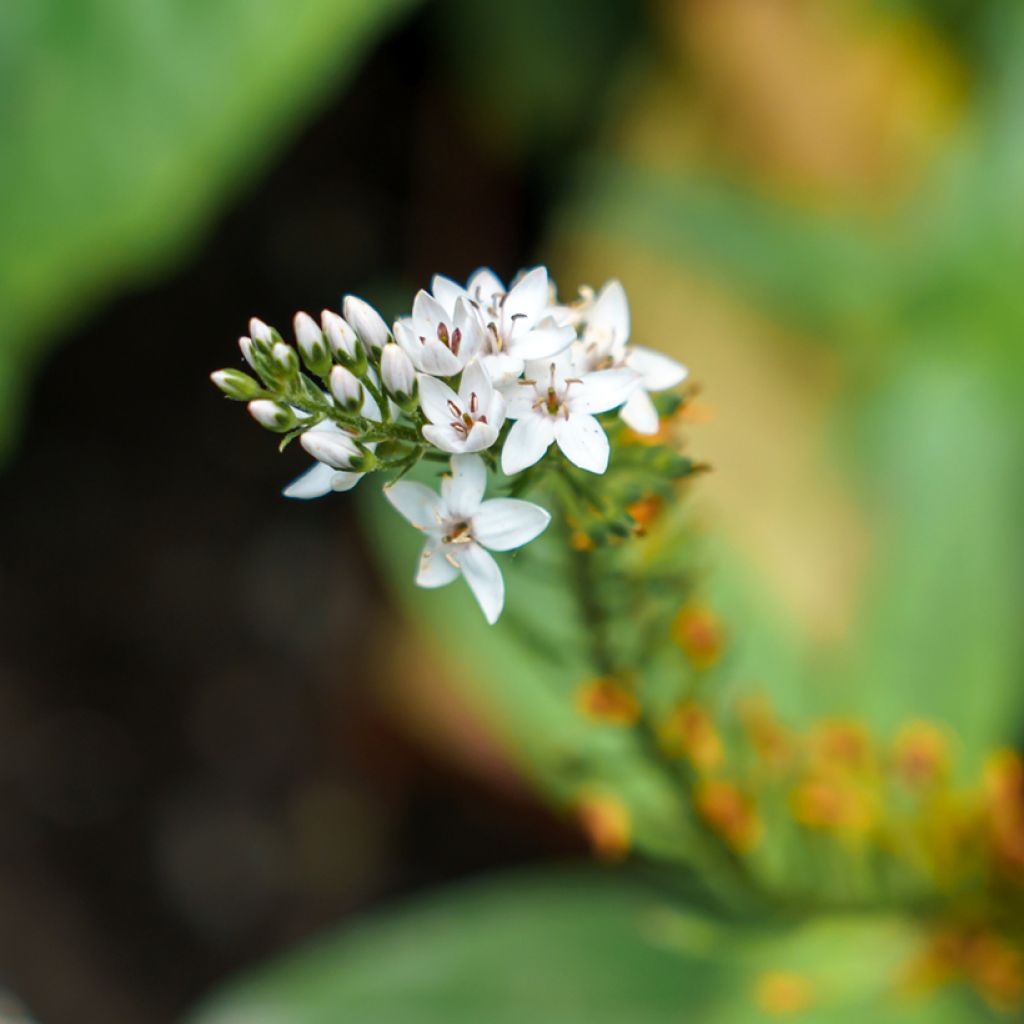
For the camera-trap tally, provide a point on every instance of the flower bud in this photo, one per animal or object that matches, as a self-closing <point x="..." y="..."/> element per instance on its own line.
<point x="334" y="449"/>
<point x="346" y="389"/>
<point x="311" y="344"/>
<point x="286" y="359"/>
<point x="343" y="341"/>
<point x="366" y="322"/>
<point x="272" y="415"/>
<point x="397" y="373"/>
<point x="237" y="385"/>
<point x="262" y="334"/>
<point x="246" y="347"/>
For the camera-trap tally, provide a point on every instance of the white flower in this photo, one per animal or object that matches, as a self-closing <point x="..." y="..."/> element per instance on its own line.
<point x="555" y="403"/>
<point x="332" y="447"/>
<point x="603" y="344"/>
<point x="459" y="525"/>
<point x="465" y="422"/>
<point x="518" y="320"/>
<point x="439" y="340"/>
<point x="366" y="322"/>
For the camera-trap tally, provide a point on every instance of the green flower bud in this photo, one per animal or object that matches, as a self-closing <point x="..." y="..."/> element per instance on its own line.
<point x="237" y="385"/>
<point x="272" y="415"/>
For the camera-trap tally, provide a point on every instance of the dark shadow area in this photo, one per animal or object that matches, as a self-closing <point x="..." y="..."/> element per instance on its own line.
<point x="193" y="770"/>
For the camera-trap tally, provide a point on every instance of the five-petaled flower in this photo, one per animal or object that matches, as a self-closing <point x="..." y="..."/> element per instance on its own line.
<point x="603" y="344"/>
<point x="459" y="525"/>
<point x="469" y="421"/>
<point x="554" y="402"/>
<point x="519" y="322"/>
<point x="439" y="340"/>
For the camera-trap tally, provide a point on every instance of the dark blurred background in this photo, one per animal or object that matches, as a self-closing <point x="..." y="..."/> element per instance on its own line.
<point x="195" y="767"/>
<point x="218" y="735"/>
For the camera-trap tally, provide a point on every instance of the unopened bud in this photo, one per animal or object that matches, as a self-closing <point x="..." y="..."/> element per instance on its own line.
<point x="311" y="344"/>
<point x="334" y="449"/>
<point x="397" y="373"/>
<point x="246" y="347"/>
<point x="346" y="389"/>
<point x="272" y="415"/>
<point x="343" y="341"/>
<point x="286" y="359"/>
<point x="366" y="322"/>
<point x="261" y="333"/>
<point x="237" y="385"/>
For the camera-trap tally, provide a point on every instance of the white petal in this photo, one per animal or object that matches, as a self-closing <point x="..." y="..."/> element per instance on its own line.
<point x="584" y="442"/>
<point x="542" y="342"/>
<point x="485" y="286"/>
<point x="435" y="570"/>
<point x="639" y="413"/>
<point x="446" y="439"/>
<point x="463" y="490"/>
<point x="602" y="390"/>
<point x="481" y="436"/>
<point x="519" y="399"/>
<point x="502" y="524"/>
<point x="610" y="312"/>
<point x="472" y="334"/>
<point x="314" y="483"/>
<point x="418" y="503"/>
<point x="405" y="335"/>
<point x="527" y="297"/>
<point x="475" y="381"/>
<point x="437" y="359"/>
<point x="657" y="371"/>
<point x="447" y="292"/>
<point x="502" y="368"/>
<point x="484" y="579"/>
<point x="527" y="442"/>
<point x="434" y="398"/>
<point x="428" y="314"/>
<point x="495" y="410"/>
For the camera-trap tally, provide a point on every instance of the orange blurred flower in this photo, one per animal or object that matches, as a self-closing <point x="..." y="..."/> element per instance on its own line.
<point x="608" y="701"/>
<point x="780" y="993"/>
<point x="833" y="803"/>
<point x="605" y="820"/>
<point x="730" y="813"/>
<point x="689" y="731"/>
<point x="699" y="633"/>
<point x="1004" y="801"/>
<point x="920" y="754"/>
<point x="841" y="743"/>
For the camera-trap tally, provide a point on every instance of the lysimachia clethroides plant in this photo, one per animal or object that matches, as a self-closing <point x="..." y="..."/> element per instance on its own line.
<point x="515" y="392"/>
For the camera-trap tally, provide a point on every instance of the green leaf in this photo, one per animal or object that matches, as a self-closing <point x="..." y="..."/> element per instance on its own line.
<point x="127" y="123"/>
<point x="586" y="947"/>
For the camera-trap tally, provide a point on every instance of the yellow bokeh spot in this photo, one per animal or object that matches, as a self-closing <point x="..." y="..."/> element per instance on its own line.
<point x="689" y="732"/>
<point x="608" y="701"/>
<point x="605" y="820"/>
<point x="729" y="813"/>
<point x="782" y="993"/>
<point x="700" y="635"/>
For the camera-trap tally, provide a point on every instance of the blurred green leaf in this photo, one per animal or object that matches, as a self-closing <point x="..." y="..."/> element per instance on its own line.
<point x="126" y="124"/>
<point x="581" y="946"/>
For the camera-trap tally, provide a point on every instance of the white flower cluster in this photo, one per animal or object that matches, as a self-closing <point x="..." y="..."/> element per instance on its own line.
<point x="469" y="369"/>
